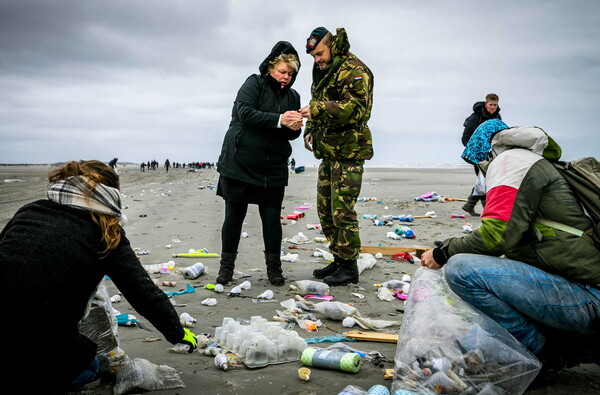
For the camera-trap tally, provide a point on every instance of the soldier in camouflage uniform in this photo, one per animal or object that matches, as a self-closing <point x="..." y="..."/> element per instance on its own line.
<point x="337" y="133"/>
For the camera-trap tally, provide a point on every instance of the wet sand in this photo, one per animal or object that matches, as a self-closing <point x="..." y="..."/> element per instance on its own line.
<point x="174" y="212"/>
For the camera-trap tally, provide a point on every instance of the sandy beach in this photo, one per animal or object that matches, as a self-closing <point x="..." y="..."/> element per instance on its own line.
<point x="170" y="213"/>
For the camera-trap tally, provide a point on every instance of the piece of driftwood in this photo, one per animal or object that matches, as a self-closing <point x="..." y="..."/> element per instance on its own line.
<point x="372" y="336"/>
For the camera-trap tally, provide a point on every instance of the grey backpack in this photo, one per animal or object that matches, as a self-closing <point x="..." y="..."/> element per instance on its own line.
<point x="583" y="176"/>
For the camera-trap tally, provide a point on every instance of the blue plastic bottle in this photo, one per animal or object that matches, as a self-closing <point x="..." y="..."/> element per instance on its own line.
<point x="405" y="232"/>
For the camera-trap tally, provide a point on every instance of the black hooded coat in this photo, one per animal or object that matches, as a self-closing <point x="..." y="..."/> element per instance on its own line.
<point x="479" y="116"/>
<point x="255" y="150"/>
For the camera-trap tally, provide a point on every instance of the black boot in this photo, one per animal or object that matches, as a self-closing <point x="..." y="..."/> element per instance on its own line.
<point x="564" y="350"/>
<point x="226" y="268"/>
<point x="274" y="271"/>
<point x="347" y="272"/>
<point x="327" y="270"/>
<point x="469" y="206"/>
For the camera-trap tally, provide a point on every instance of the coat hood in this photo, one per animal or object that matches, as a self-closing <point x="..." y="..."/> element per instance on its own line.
<point x="479" y="108"/>
<point x="339" y="52"/>
<point x="341" y="45"/>
<point x="531" y="138"/>
<point x="493" y="137"/>
<point x="282" y="47"/>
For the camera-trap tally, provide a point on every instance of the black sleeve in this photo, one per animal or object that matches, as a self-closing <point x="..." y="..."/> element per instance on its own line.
<point x="247" y="105"/>
<point x="470" y="125"/>
<point x="127" y="273"/>
<point x="440" y="255"/>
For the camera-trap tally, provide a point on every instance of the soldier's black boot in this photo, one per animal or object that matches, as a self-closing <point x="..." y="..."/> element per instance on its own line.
<point x="469" y="206"/>
<point x="274" y="271"/>
<point x="226" y="268"/>
<point x="346" y="273"/>
<point x="327" y="270"/>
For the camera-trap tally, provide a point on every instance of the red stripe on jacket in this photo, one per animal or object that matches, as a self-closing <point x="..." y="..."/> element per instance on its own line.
<point x="500" y="201"/>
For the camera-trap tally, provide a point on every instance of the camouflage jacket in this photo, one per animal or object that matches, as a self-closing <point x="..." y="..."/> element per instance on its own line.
<point x="342" y="97"/>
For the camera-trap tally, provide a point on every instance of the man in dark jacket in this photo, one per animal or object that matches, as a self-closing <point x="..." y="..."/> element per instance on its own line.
<point x="338" y="134"/>
<point x="253" y="164"/>
<point x="482" y="111"/>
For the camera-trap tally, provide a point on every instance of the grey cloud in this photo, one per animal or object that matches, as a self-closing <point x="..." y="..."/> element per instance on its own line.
<point x="146" y="79"/>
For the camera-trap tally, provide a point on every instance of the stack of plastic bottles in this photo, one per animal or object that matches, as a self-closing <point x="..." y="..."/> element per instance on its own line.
<point x="259" y="342"/>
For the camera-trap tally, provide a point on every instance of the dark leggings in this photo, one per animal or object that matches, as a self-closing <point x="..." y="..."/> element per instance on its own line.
<point x="232" y="227"/>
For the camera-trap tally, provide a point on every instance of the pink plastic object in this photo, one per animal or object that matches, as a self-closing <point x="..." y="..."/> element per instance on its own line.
<point x="457" y="216"/>
<point x="427" y="195"/>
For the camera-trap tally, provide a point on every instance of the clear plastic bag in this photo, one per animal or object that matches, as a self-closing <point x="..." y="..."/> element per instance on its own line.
<point x="338" y="311"/>
<point x="446" y="344"/>
<point x="144" y="375"/>
<point x="366" y="261"/>
<point x="100" y="324"/>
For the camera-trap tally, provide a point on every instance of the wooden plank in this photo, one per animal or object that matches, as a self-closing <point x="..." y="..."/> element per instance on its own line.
<point x="295" y="247"/>
<point x="372" y="336"/>
<point x="389" y="251"/>
<point x="385" y="251"/>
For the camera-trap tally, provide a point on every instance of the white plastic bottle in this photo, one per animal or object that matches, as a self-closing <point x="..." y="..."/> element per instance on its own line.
<point x="222" y="362"/>
<point x="194" y="271"/>
<point x="312" y="287"/>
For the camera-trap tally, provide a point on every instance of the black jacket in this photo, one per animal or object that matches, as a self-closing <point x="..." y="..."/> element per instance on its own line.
<point x="254" y="149"/>
<point x="49" y="269"/>
<point x="479" y="116"/>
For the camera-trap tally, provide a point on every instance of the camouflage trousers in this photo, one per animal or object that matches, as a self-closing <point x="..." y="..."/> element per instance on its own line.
<point x="338" y="187"/>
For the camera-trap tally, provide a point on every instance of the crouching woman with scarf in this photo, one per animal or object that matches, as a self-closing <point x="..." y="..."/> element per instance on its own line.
<point x="53" y="255"/>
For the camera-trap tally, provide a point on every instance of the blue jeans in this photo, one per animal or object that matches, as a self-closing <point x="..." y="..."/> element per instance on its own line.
<point x="87" y="375"/>
<point x="520" y="297"/>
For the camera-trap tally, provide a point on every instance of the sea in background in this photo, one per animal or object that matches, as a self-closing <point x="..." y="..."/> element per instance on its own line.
<point x="451" y="166"/>
<point x="447" y="166"/>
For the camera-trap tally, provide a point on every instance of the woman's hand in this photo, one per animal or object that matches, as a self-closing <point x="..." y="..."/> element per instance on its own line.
<point x="292" y="120"/>
<point x="428" y="261"/>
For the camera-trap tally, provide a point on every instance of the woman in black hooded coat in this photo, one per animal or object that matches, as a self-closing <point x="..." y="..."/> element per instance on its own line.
<point x="254" y="156"/>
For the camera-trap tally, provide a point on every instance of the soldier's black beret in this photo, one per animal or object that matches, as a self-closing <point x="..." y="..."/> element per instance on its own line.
<point x="315" y="38"/>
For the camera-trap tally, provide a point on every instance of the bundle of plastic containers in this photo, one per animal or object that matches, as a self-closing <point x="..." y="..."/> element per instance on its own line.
<point x="259" y="342"/>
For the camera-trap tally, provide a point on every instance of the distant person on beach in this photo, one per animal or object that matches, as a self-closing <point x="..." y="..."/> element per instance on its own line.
<point x="167" y="165"/>
<point x="113" y="164"/>
<point x="54" y="253"/>
<point x="292" y="164"/>
<point x="253" y="161"/>
<point x="482" y="111"/>
<point x="143" y="166"/>
<point x="540" y="283"/>
<point x="337" y="133"/>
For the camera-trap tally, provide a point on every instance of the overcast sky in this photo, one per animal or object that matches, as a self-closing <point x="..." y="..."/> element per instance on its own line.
<point x="144" y="80"/>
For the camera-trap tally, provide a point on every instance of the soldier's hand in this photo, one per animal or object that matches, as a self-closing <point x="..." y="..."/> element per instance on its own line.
<point x="308" y="140"/>
<point x="305" y="112"/>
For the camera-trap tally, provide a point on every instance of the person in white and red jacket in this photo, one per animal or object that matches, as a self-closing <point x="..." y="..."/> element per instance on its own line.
<point x="540" y="283"/>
